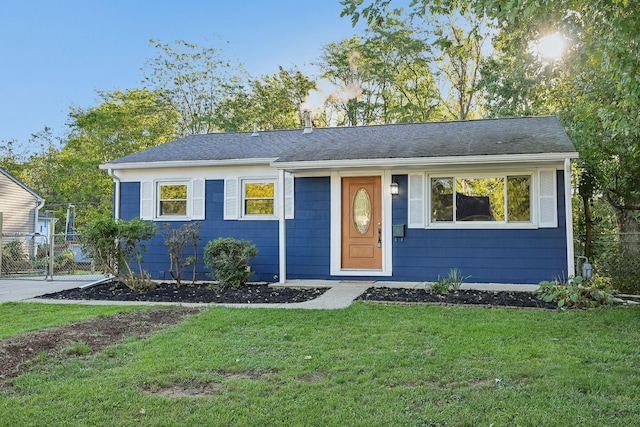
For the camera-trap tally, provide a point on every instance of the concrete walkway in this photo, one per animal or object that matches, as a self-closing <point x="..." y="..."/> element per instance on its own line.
<point x="340" y="295"/>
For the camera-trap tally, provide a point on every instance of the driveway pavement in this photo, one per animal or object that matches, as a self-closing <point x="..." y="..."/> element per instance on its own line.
<point x="13" y="290"/>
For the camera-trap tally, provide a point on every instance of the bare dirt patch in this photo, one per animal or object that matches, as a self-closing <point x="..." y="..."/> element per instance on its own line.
<point x="189" y="389"/>
<point x="207" y="388"/>
<point x="20" y="353"/>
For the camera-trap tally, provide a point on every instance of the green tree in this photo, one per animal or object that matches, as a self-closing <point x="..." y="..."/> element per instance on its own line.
<point x="597" y="89"/>
<point x="594" y="88"/>
<point x="278" y="99"/>
<point x="400" y="61"/>
<point x="123" y="123"/>
<point x="446" y="45"/>
<point x="342" y="65"/>
<point x="12" y="158"/>
<point x="194" y="82"/>
<point x="459" y="59"/>
<point x="272" y="102"/>
<point x="383" y="77"/>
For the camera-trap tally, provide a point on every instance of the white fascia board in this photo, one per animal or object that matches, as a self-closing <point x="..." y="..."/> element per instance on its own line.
<point x="425" y="161"/>
<point x="188" y="163"/>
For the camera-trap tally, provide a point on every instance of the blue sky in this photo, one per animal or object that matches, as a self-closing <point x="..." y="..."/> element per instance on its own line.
<point x="57" y="53"/>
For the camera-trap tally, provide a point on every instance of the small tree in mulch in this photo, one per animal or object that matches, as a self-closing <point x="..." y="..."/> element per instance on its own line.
<point x="229" y="258"/>
<point x="177" y="239"/>
<point x="113" y="244"/>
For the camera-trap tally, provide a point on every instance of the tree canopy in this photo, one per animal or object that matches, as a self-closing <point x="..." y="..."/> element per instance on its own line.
<point x="429" y="62"/>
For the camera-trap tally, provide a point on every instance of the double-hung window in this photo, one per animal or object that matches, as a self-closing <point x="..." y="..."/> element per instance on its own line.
<point x="171" y="199"/>
<point x="258" y="198"/>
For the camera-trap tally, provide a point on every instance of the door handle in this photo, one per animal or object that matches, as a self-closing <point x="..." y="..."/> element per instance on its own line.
<point x="379" y="244"/>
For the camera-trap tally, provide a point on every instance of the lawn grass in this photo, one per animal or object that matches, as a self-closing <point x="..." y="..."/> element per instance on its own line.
<point x="366" y="365"/>
<point x="16" y="318"/>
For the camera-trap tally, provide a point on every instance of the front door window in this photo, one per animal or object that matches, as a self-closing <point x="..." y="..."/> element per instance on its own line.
<point x="362" y="211"/>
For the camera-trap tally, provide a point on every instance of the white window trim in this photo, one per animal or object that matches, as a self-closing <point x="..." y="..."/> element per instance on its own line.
<point x="156" y="205"/>
<point x="150" y="199"/>
<point x="536" y="207"/>
<point x="234" y="197"/>
<point x="241" y="199"/>
<point x="483" y="224"/>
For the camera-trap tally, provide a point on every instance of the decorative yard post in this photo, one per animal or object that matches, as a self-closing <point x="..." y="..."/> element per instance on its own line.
<point x="51" y="228"/>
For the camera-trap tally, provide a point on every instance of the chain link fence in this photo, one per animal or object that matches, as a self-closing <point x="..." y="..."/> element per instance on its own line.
<point x="615" y="256"/>
<point x="32" y="256"/>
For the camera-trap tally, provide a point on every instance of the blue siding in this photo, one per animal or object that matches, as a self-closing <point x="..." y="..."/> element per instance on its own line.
<point x="264" y="234"/>
<point x="309" y="234"/>
<point x="498" y="255"/>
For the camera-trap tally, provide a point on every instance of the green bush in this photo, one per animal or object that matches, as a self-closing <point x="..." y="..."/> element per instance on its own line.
<point x="114" y="243"/>
<point x="445" y="284"/>
<point x="62" y="261"/>
<point x="574" y="294"/>
<point x="229" y="258"/>
<point x="14" y="257"/>
<point x="176" y="240"/>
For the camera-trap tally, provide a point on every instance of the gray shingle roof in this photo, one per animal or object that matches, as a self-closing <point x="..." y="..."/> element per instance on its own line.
<point x="510" y="136"/>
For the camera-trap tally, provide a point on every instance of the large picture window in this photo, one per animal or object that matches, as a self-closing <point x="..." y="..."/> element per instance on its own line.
<point x="488" y="199"/>
<point x="258" y="198"/>
<point x="172" y="199"/>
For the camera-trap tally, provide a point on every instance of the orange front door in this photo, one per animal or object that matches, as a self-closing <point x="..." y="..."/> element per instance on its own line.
<point x="362" y="223"/>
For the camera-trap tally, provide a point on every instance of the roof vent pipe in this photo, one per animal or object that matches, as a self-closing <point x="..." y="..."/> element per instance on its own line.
<point x="307" y="122"/>
<point x="255" y="129"/>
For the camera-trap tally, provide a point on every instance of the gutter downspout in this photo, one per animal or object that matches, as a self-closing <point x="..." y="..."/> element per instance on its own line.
<point x="116" y="193"/>
<point x="571" y="267"/>
<point x="40" y="206"/>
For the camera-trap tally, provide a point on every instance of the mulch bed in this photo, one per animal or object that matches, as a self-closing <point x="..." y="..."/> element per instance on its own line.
<point x="200" y="293"/>
<point x="262" y="293"/>
<point x="470" y="297"/>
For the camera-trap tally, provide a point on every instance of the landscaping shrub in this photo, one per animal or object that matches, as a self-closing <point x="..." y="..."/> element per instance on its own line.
<point x="14" y="257"/>
<point x="114" y="243"/>
<point x="177" y="239"/>
<point x="574" y="293"/>
<point x="450" y="283"/>
<point x="229" y="258"/>
<point x="62" y="261"/>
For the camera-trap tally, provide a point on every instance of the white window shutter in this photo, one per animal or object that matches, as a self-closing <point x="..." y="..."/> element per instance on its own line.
<point x="547" y="210"/>
<point x="289" y="195"/>
<point x="197" y="199"/>
<point x="416" y="201"/>
<point x="146" y="200"/>
<point x="231" y="198"/>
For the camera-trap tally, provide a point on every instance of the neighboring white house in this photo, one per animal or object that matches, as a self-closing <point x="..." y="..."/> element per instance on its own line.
<point x="19" y="206"/>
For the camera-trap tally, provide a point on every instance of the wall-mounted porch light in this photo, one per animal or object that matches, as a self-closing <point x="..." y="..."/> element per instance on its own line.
<point x="394" y="188"/>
